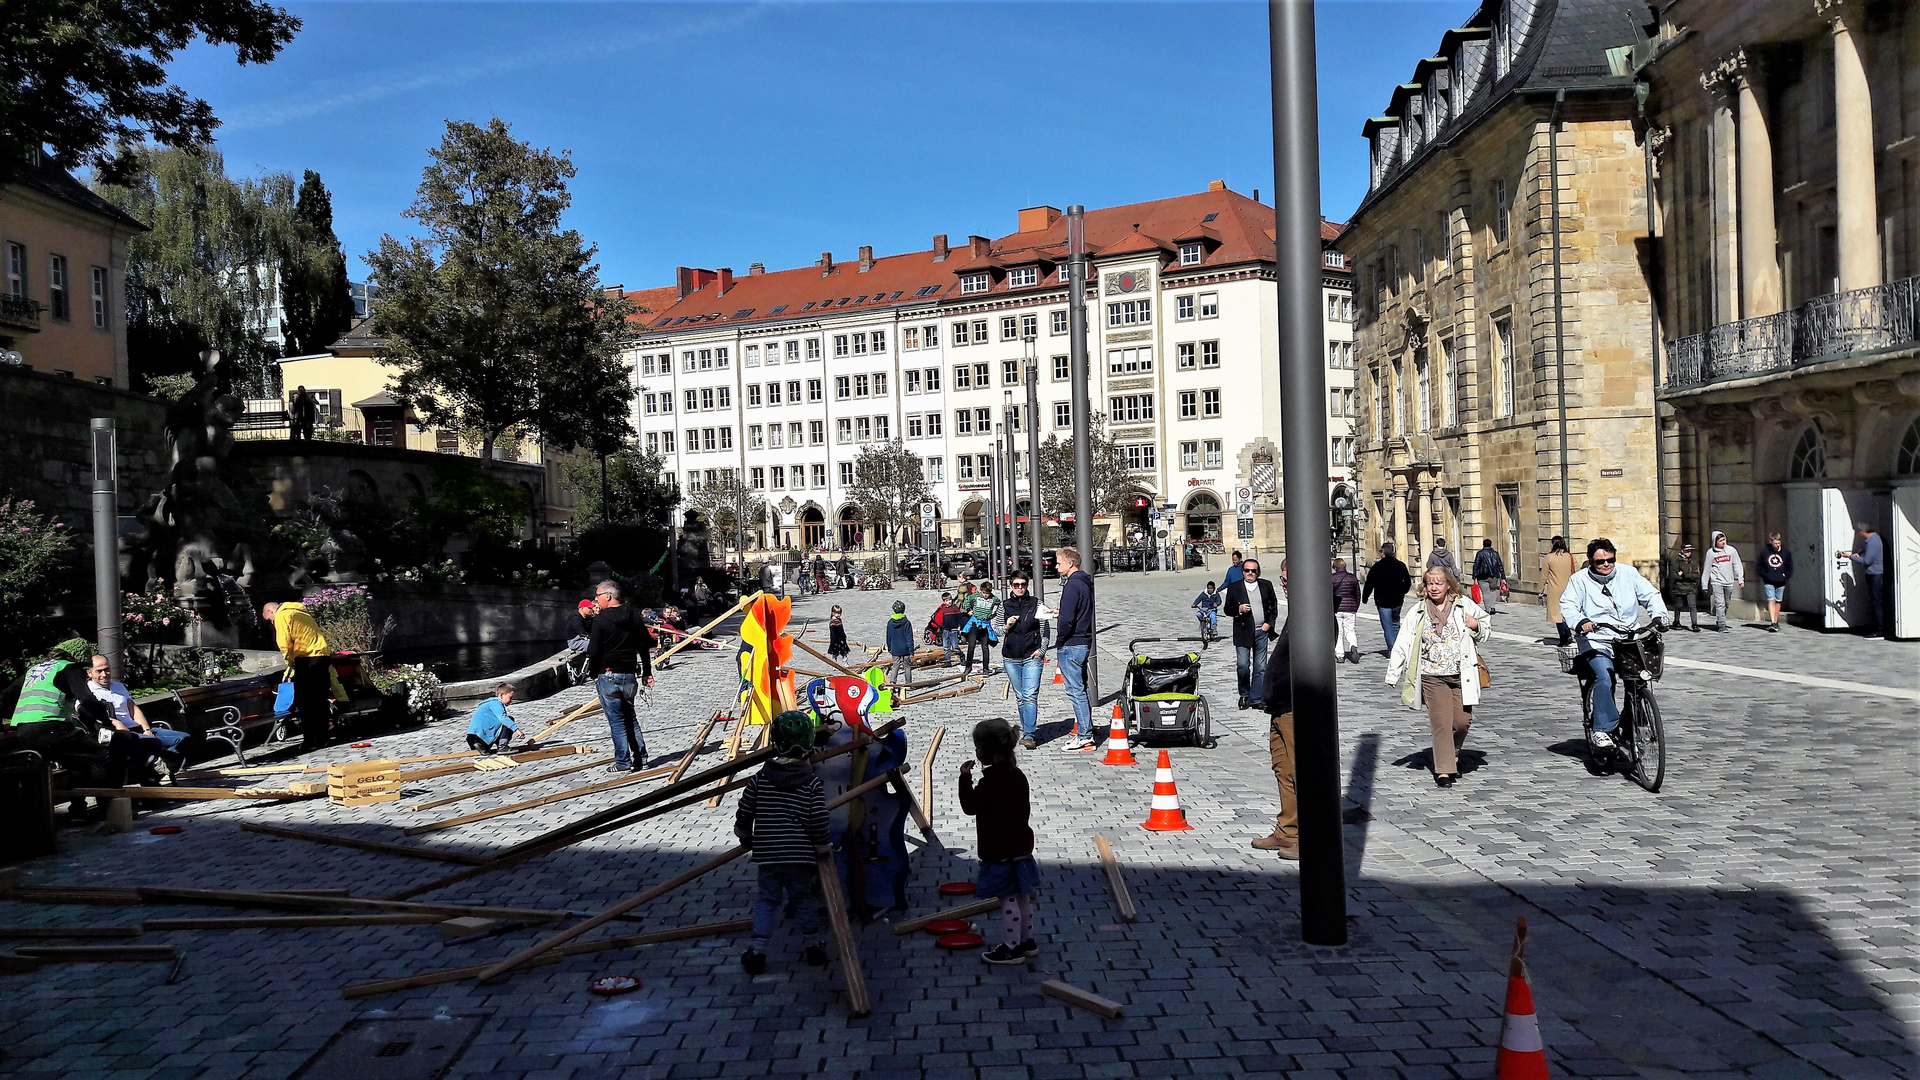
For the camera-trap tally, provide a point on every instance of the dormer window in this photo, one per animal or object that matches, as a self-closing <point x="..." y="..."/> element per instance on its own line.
<point x="1018" y="277"/>
<point x="973" y="283"/>
<point x="1191" y="254"/>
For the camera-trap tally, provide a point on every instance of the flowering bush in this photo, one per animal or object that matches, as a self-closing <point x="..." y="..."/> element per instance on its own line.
<point x="345" y="615"/>
<point x="422" y="687"/>
<point x="155" y="618"/>
<point x="444" y="573"/>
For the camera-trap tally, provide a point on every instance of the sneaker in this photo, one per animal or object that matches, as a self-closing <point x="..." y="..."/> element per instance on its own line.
<point x="1028" y="743"/>
<point x="1600" y="740"/>
<point x="816" y="955"/>
<point x="1027" y="948"/>
<point x="1087" y="747"/>
<point x="1075" y="742"/>
<point x="1003" y="954"/>
<point x="620" y="766"/>
<point x="1353" y="655"/>
<point x="754" y="961"/>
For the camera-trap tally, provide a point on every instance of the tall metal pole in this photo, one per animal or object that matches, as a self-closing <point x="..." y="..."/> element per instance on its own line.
<point x="1082" y="419"/>
<point x="106" y="544"/>
<point x="1303" y="448"/>
<point x="1038" y="581"/>
<point x="1001" y="482"/>
<point x="1013" y="481"/>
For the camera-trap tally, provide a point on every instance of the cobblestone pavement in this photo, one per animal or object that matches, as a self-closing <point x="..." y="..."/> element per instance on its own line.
<point x="1757" y="917"/>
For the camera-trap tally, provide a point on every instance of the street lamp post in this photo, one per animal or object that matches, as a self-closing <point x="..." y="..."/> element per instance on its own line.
<point x="1011" y="412"/>
<point x="1082" y="425"/>
<point x="1303" y="447"/>
<point x="1039" y="578"/>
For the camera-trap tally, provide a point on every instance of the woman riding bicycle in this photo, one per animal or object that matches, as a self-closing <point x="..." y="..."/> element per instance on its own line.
<point x="1597" y="599"/>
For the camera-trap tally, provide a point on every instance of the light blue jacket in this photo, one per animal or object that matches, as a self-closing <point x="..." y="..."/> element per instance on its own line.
<point x="1619" y="600"/>
<point x="490" y="719"/>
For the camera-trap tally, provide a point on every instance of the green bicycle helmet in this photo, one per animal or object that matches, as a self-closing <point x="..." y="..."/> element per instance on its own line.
<point x="792" y="734"/>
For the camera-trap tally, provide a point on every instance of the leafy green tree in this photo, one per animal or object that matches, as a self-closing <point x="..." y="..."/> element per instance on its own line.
<point x="495" y="319"/>
<point x="635" y="493"/>
<point x="888" y="487"/>
<point x="32" y="550"/>
<point x="314" y="291"/>
<point x="731" y="508"/>
<point x="1113" y="488"/>
<point x="206" y="264"/>
<point x="89" y="80"/>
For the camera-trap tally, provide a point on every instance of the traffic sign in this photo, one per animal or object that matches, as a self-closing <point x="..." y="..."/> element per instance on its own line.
<point x="1243" y="494"/>
<point x="1245" y="509"/>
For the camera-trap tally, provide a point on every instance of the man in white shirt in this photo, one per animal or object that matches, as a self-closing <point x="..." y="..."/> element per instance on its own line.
<point x="143" y="743"/>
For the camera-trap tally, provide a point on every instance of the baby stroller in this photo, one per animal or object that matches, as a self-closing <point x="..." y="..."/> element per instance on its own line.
<point x="1160" y="697"/>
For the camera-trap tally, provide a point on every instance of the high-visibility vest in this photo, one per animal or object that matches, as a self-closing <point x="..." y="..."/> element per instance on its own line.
<point x="40" y="698"/>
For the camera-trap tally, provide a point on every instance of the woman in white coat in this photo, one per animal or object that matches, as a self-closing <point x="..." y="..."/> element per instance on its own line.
<point x="1435" y="659"/>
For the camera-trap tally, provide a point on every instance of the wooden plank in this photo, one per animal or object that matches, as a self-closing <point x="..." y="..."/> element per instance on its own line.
<point x="693" y="636"/>
<point x="583" y="710"/>
<point x="1121" y="897"/>
<point x="157" y="894"/>
<point x="42" y="932"/>
<point x="858" y="1003"/>
<point x="364" y="845"/>
<point x="544" y="800"/>
<point x="185" y="793"/>
<point x="961" y="692"/>
<point x="733" y="753"/>
<point x="964" y="911"/>
<point x="522" y="782"/>
<point x="699" y="744"/>
<point x="913" y="807"/>
<point x="94" y="954"/>
<point x="926" y="775"/>
<point x="524" y="758"/>
<point x="580" y="948"/>
<point x="828" y="660"/>
<point x="259" y="770"/>
<point x="71" y="894"/>
<point x="1085" y="999"/>
<point x="292" y="922"/>
<point x="659" y="890"/>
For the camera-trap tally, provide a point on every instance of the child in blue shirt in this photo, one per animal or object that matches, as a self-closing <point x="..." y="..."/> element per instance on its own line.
<point x="1209" y="602"/>
<point x="492" y="729"/>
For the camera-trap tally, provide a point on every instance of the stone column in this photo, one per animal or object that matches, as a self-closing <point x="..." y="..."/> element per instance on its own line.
<point x="1724" y="196"/>
<point x="1760" y="292"/>
<point x="1853" y="151"/>
<point x="1426" y="519"/>
<point x="1400" y="521"/>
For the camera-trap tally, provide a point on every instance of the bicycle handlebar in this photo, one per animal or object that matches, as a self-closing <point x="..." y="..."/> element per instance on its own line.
<point x="1132" y="642"/>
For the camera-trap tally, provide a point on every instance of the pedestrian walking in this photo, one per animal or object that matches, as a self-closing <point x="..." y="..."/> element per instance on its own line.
<point x="309" y="666"/>
<point x="1072" y="637"/>
<point x="1869" y="559"/>
<point x="1252" y="604"/>
<point x="1442" y="556"/>
<point x="1489" y="570"/>
<point x="620" y="656"/>
<point x="837" y="647"/>
<point x="491" y="728"/>
<point x="1437" y="665"/>
<point x="782" y="819"/>
<point x="982" y="608"/>
<point x="1556" y="569"/>
<point x="1683" y="585"/>
<point x="900" y="646"/>
<point x="1277" y="698"/>
<point x="1001" y="807"/>
<point x="1775" y="567"/>
<point x="1722" y="576"/>
<point x="819" y="572"/>
<point x="1233" y="571"/>
<point x="1023" y="653"/>
<point x="302" y="410"/>
<point x="1346" y="608"/>
<point x="1388" y="582"/>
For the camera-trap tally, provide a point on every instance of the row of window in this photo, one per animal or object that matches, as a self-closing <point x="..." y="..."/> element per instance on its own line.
<point x="59" y="286"/>
<point x="856" y="344"/>
<point x="815" y="392"/>
<point x="859" y="386"/>
<point x="709" y="398"/>
<point x="1398" y="404"/>
<point x="1386" y="275"/>
<point x="1339" y="308"/>
<point x="773" y="350"/>
<point x="1191" y="454"/>
<point x="775" y="476"/>
<point x="862" y="428"/>
<point x="813" y="432"/>
<point x="1340" y="354"/>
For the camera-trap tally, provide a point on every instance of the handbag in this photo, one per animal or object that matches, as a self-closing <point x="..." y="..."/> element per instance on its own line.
<point x="1486" y="677"/>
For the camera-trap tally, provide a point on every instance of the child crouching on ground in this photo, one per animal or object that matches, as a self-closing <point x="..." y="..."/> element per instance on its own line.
<point x="492" y="729"/>
<point x="1001" y="806"/>
<point x="783" y="818"/>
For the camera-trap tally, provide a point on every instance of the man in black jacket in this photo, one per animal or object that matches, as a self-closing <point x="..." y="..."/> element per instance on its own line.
<point x="1388" y="583"/>
<point x="620" y="656"/>
<point x="1255" y="608"/>
<point x="1277" y="697"/>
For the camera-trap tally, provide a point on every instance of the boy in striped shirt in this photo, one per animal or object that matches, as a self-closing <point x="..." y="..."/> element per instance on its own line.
<point x="783" y="818"/>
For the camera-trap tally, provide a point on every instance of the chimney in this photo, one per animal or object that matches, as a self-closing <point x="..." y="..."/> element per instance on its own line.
<point x="866" y="257"/>
<point x="683" y="280"/>
<point x="1037" y="218"/>
<point x="979" y="246"/>
<point x="1216" y="185"/>
<point x="1256" y="194"/>
<point x="756" y="269"/>
<point x="726" y="279"/>
<point x="825" y="264"/>
<point x="939" y="247"/>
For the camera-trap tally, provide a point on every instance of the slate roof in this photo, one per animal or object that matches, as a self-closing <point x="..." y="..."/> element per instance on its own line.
<point x="58" y="184"/>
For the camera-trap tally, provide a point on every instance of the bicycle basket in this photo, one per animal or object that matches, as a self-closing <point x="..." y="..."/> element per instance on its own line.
<point x="1646" y="655"/>
<point x="1568" y="654"/>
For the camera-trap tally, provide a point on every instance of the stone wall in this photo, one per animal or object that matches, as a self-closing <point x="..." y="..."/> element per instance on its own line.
<point x="46" y="448"/>
<point x="429" y="615"/>
<point x="292" y="472"/>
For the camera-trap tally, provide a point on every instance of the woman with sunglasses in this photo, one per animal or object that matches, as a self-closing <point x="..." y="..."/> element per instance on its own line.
<point x="1604" y="595"/>
<point x="1024" y="652"/>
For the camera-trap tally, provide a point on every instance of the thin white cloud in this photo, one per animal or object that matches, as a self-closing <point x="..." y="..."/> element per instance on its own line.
<point x="306" y="108"/>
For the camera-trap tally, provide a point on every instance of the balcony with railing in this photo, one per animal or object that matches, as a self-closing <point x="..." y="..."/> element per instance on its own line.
<point x="1826" y="328"/>
<point x="19" y="314"/>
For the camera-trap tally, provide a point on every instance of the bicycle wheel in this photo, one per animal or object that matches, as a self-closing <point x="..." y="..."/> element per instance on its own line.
<point x="1649" y="738"/>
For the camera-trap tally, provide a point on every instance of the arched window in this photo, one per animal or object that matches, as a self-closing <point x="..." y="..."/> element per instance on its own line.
<point x="1907" y="462"/>
<point x="1809" y="461"/>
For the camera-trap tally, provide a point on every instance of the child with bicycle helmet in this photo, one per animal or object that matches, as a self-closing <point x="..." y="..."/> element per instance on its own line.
<point x="783" y="819"/>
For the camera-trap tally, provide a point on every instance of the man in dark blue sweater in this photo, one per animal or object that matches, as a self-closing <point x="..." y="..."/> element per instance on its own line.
<point x="1073" y="636"/>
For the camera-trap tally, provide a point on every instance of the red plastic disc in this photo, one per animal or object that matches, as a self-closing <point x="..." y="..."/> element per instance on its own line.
<point x="614" y="984"/>
<point x="948" y="926"/>
<point x="164" y="830"/>
<point x="960" y="941"/>
<point x="957" y="888"/>
<point x="359" y="745"/>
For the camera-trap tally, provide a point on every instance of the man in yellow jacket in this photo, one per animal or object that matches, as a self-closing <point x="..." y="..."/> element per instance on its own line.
<point x="310" y="665"/>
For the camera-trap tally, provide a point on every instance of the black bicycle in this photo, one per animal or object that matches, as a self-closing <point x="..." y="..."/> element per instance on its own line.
<point x="1209" y="632"/>
<point x="1640" y="740"/>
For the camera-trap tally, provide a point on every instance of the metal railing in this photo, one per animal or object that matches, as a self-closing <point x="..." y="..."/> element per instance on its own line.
<point x="1824" y="328"/>
<point x="19" y="312"/>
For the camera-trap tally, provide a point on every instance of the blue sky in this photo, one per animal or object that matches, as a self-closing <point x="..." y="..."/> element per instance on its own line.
<point x="711" y="134"/>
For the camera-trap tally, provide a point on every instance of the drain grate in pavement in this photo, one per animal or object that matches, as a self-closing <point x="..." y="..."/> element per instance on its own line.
<point x="391" y="1049"/>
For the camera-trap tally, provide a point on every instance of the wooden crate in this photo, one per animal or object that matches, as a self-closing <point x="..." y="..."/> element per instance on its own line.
<point x="362" y="782"/>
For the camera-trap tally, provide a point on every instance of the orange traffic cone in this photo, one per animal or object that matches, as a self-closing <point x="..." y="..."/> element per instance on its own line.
<point x="1523" y="1056"/>
<point x="1057" y="677"/>
<point x="1165" y="815"/>
<point x="1118" y="752"/>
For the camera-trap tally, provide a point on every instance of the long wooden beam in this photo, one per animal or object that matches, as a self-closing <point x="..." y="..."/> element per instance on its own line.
<point x="738" y="606"/>
<point x="43" y="932"/>
<point x="190" y="793"/>
<point x="160" y="894"/>
<point x="624" y="941"/>
<point x="828" y="660"/>
<point x="967" y="910"/>
<point x="525" y="757"/>
<point x="363" y="845"/>
<point x="577" y="713"/>
<point x="926" y="774"/>
<point x="699" y="744"/>
<point x="544" y="800"/>
<point x="1121" y="897"/>
<point x="292" y="922"/>
<point x="858" y="1003"/>
<point x="522" y="782"/>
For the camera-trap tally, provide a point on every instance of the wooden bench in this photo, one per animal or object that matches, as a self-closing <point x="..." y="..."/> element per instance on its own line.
<point x="231" y="711"/>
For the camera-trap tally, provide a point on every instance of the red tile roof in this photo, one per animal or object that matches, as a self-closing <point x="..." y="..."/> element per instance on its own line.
<point x="650" y="303"/>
